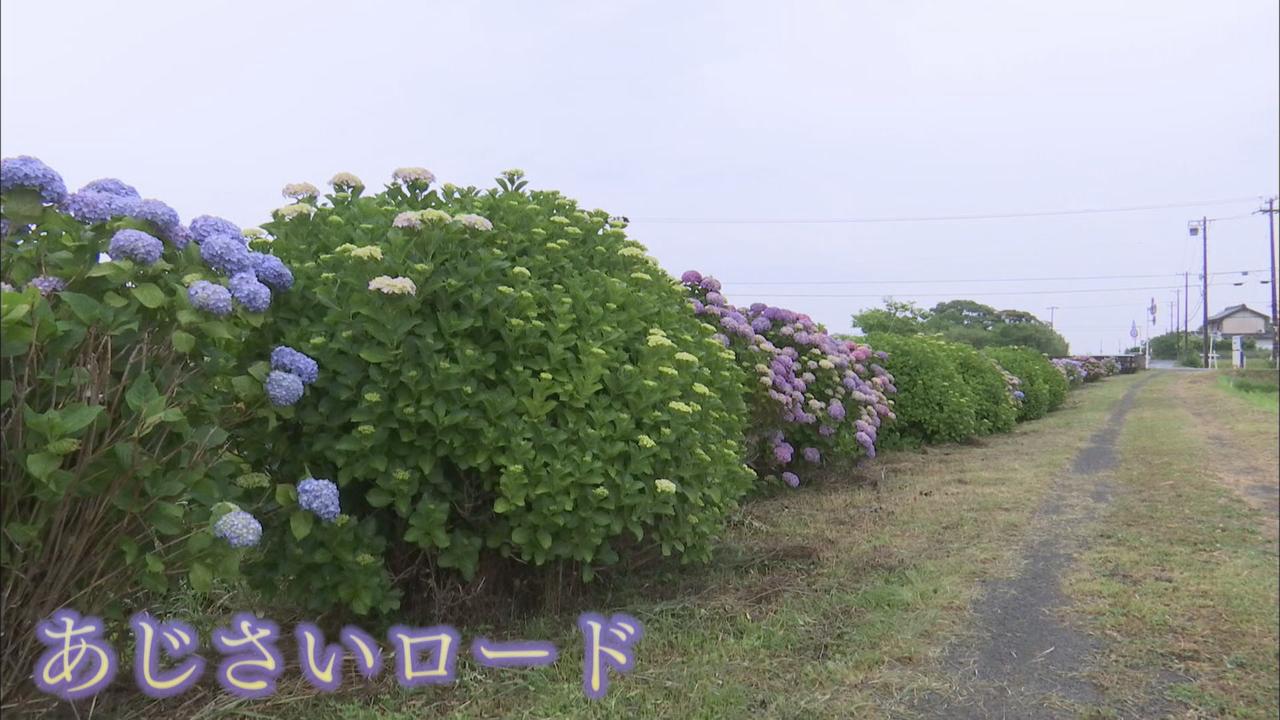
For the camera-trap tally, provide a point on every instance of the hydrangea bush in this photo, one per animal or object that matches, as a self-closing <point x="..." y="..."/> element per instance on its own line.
<point x="814" y="396"/>
<point x="1072" y="370"/>
<point x="501" y="374"/>
<point x="120" y="372"/>
<point x="1043" y="386"/>
<point x="935" y="401"/>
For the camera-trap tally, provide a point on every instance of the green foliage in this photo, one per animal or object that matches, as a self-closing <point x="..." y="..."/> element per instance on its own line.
<point x="895" y="318"/>
<point x="533" y="391"/>
<point x="964" y="321"/>
<point x="1044" y="386"/>
<point x="114" y="403"/>
<point x="934" y="403"/>
<point x="994" y="408"/>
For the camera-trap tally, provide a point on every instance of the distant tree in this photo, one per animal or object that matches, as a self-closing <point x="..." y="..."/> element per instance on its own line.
<point x="964" y="321"/>
<point x="895" y="318"/>
<point x="966" y="313"/>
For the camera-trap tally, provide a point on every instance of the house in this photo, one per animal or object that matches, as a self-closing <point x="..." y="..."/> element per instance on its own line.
<point x="1243" y="321"/>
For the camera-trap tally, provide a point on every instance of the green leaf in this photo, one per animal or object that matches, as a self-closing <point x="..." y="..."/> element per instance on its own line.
<point x="78" y="416"/>
<point x="183" y="341"/>
<point x="149" y="295"/>
<point x="375" y="355"/>
<point x="286" y="495"/>
<point x="84" y="307"/>
<point x="201" y="577"/>
<point x="378" y="497"/>
<point x="41" y="465"/>
<point x="141" y="392"/>
<point x="300" y="523"/>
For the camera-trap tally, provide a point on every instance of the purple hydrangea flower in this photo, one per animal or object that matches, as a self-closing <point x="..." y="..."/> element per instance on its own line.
<point x="283" y="388"/>
<point x="93" y="206"/>
<point x="157" y="213"/>
<point x="246" y="289"/>
<point x="112" y="186"/>
<point x="722" y="339"/>
<point x="697" y="306"/>
<point x="812" y="455"/>
<point x="136" y="246"/>
<point x="48" y="284"/>
<point x="715" y="298"/>
<point x="691" y="277"/>
<point x="791" y="479"/>
<point x="4" y="228"/>
<point x="782" y="452"/>
<point x="761" y="324"/>
<point x="836" y="409"/>
<point x="271" y="270"/>
<point x="210" y="297"/>
<point x="320" y="497"/>
<point x="826" y="430"/>
<point x="225" y="254"/>
<point x="179" y="236"/>
<point x="207" y="226"/>
<point x="710" y="284"/>
<point x="239" y="529"/>
<point x="28" y="172"/>
<point x="1019" y="394"/>
<point x="289" y="360"/>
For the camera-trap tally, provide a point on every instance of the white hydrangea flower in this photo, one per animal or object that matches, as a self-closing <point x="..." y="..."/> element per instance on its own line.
<point x="368" y="252"/>
<point x="345" y="181"/>
<point x="413" y="174"/>
<point x="297" y="191"/>
<point x="664" y="485"/>
<point x="289" y="212"/>
<point x="393" y="285"/>
<point x="254" y="233"/>
<point x="474" y="222"/>
<point x="407" y="219"/>
<point x="431" y="215"/>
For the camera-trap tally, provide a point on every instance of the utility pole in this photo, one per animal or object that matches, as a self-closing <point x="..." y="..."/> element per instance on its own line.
<point x="1052" y="308"/>
<point x="1201" y="228"/>
<point x="1271" y="247"/>
<point x="1186" y="302"/>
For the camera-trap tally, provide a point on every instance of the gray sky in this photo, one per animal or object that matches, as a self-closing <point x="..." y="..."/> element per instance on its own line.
<point x="713" y="110"/>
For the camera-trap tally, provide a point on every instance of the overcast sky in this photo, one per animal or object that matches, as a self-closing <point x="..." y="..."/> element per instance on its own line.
<point x="714" y="111"/>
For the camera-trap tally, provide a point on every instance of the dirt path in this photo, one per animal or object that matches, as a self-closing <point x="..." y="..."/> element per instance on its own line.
<point x="1025" y="660"/>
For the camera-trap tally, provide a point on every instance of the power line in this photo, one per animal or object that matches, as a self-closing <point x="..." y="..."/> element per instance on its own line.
<point x="971" y="280"/>
<point x="935" y="218"/>
<point x="1070" y="291"/>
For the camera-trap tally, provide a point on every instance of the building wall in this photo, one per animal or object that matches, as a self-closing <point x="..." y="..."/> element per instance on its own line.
<point x="1243" y="324"/>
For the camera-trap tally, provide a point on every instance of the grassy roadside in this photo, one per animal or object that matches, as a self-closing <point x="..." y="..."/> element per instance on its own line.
<point x="1258" y="388"/>
<point x="822" y="602"/>
<point x="1182" y="576"/>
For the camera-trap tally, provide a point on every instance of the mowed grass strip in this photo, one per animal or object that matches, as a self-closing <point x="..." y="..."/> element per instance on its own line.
<point x="826" y="602"/>
<point x="1182" y="578"/>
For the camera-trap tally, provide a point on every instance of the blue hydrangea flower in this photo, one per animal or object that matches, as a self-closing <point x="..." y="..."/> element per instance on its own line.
<point x="791" y="479"/>
<point x="25" y="171"/>
<point x="320" y="497"/>
<point x="179" y="236"/>
<point x="4" y="228"/>
<point x="207" y="226"/>
<point x="157" y="213"/>
<point x="225" y="254"/>
<point x="112" y="186"/>
<point x="289" y="360"/>
<point x="283" y="388"/>
<point x="136" y="246"/>
<point x="246" y="289"/>
<point x="239" y="529"/>
<point x="48" y="284"/>
<point x="210" y="297"/>
<point x="92" y="206"/>
<point x="271" y="270"/>
<point x="812" y="455"/>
